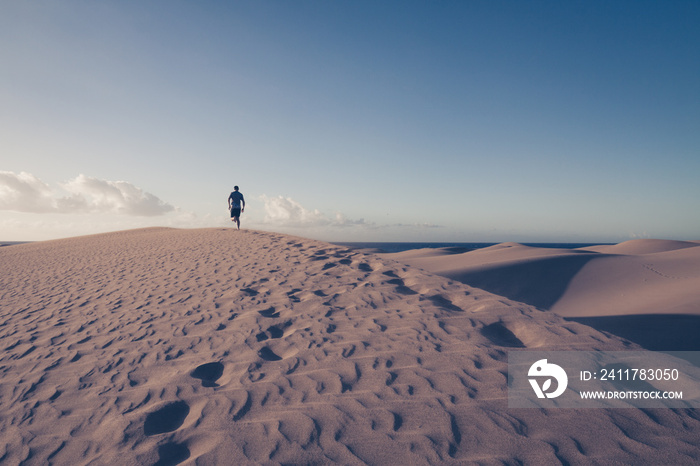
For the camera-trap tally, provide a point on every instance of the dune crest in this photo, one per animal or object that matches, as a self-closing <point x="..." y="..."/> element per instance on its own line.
<point x="638" y="277"/>
<point x="643" y="246"/>
<point x="243" y="347"/>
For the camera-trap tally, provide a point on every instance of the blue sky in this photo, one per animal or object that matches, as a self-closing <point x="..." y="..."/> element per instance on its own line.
<point x="363" y="120"/>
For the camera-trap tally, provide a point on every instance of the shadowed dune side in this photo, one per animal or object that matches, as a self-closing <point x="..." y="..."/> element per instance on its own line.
<point x="661" y="282"/>
<point x="626" y="289"/>
<point x="655" y="332"/>
<point x="216" y="346"/>
<point x="535" y="276"/>
<point x="540" y="282"/>
<point x="597" y="280"/>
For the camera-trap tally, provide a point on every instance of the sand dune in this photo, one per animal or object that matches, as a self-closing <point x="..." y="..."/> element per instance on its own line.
<point x="647" y="291"/>
<point x="643" y="246"/>
<point x="535" y="276"/>
<point x="635" y="277"/>
<point x="215" y="346"/>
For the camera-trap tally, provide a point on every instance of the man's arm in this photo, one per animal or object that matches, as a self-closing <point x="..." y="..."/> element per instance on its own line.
<point x="242" y="203"/>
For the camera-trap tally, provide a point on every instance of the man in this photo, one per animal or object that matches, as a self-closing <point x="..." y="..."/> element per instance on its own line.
<point x="236" y="204"/>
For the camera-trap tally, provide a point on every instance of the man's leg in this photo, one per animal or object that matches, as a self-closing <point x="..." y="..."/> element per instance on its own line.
<point x="235" y="213"/>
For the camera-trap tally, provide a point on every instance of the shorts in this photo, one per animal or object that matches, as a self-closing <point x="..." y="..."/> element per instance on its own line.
<point x="235" y="212"/>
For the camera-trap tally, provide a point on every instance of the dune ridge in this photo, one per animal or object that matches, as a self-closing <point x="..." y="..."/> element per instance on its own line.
<point x="637" y="277"/>
<point x="163" y="346"/>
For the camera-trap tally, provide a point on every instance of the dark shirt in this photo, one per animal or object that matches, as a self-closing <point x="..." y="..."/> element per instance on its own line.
<point x="236" y="197"/>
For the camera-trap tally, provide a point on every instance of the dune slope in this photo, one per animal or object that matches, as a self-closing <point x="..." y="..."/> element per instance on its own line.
<point x="631" y="278"/>
<point x="163" y="346"/>
<point x="646" y="291"/>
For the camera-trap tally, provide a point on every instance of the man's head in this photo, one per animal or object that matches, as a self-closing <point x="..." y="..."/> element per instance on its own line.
<point x="235" y="188"/>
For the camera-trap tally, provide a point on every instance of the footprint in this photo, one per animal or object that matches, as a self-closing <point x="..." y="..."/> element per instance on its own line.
<point x="347" y="352"/>
<point x="398" y="421"/>
<point x="292" y="296"/>
<point x="364" y="267"/>
<point x="249" y="291"/>
<point x="277" y="331"/>
<point x="329" y="265"/>
<point x="245" y="408"/>
<point x="500" y="335"/>
<point x="209" y="373"/>
<point x="445" y="303"/>
<point x="172" y="453"/>
<point x="268" y="355"/>
<point x="269" y="312"/>
<point x="166" y="419"/>
<point x="273" y="331"/>
<point x="400" y="287"/>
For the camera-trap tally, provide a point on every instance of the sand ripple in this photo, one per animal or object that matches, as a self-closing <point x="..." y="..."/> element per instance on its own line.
<point x="160" y="346"/>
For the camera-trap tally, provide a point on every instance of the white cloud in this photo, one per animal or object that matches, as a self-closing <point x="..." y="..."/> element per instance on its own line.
<point x="342" y="221"/>
<point x="285" y="211"/>
<point x="415" y="225"/>
<point x="642" y="235"/>
<point x="92" y="194"/>
<point x="24" y="192"/>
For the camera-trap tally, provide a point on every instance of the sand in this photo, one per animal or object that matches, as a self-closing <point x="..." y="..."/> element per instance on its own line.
<point x="647" y="291"/>
<point x="216" y="346"/>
